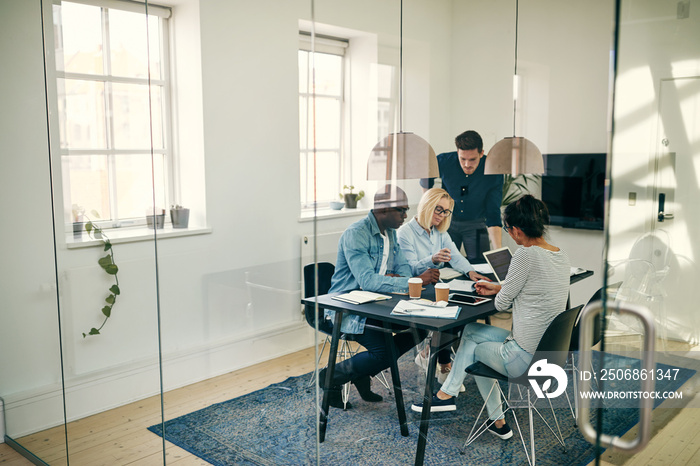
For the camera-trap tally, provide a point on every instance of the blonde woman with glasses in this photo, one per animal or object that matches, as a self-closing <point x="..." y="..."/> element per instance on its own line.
<point x="426" y="244"/>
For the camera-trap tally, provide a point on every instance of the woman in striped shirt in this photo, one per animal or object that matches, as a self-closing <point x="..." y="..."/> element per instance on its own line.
<point x="536" y="287"/>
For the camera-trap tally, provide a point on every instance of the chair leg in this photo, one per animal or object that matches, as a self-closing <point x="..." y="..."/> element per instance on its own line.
<point x="345" y="392"/>
<point x="484" y="426"/>
<point x="560" y="438"/>
<point x="382" y="379"/>
<point x="312" y="379"/>
<point x="574" y="409"/>
<point x="576" y="394"/>
<point x="522" y="439"/>
<point x="532" y="429"/>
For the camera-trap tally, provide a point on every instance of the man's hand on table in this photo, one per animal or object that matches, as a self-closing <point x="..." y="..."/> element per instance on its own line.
<point x="430" y="276"/>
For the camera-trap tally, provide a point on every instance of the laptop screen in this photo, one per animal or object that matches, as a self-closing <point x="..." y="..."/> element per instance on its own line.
<point x="499" y="260"/>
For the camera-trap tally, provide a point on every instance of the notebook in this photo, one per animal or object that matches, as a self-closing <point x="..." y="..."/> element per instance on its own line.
<point x="361" y="297"/>
<point x="499" y="260"/>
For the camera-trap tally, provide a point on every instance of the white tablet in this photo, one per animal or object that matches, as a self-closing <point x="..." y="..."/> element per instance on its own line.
<point x="456" y="298"/>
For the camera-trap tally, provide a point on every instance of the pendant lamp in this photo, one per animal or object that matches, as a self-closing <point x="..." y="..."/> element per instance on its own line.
<point x="402" y="155"/>
<point x="514" y="155"/>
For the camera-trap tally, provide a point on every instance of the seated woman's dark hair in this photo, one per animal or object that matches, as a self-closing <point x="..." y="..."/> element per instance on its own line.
<point x="529" y="214"/>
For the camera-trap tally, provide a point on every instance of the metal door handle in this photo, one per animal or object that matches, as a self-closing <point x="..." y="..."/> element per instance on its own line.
<point x="647" y="365"/>
<point x="662" y="216"/>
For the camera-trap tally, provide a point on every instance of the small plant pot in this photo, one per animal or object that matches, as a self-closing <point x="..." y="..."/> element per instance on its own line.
<point x="350" y="200"/>
<point x="180" y="217"/>
<point x="337" y="205"/>
<point x="78" y="228"/>
<point x="158" y="223"/>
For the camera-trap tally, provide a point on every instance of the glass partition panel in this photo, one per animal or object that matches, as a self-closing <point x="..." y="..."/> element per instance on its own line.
<point x="31" y="384"/>
<point x="114" y="186"/>
<point x="86" y="308"/>
<point x="651" y="246"/>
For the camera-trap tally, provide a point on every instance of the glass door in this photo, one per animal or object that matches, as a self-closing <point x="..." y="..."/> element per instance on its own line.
<point x="645" y="364"/>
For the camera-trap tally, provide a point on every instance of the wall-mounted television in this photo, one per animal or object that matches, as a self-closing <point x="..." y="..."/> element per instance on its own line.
<point x="573" y="187"/>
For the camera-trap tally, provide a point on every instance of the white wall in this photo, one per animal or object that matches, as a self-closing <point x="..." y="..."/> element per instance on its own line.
<point x="29" y="337"/>
<point x="250" y="140"/>
<point x="563" y="57"/>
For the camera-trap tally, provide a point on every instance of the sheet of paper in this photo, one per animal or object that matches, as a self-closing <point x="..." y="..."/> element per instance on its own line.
<point x="424" y="308"/>
<point x="461" y="285"/>
<point x="447" y="273"/>
<point x="482" y="268"/>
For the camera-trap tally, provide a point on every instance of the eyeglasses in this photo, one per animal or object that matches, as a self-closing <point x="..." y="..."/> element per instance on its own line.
<point x="440" y="211"/>
<point x="401" y="210"/>
<point x="506" y="228"/>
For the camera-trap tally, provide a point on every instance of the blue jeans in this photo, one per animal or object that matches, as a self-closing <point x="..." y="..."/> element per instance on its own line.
<point x="378" y="354"/>
<point x="486" y="344"/>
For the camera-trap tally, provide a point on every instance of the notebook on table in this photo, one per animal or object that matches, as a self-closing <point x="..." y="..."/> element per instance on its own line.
<point x="499" y="260"/>
<point x="361" y="297"/>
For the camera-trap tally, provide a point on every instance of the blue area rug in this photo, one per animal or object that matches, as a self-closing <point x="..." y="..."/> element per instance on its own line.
<point x="277" y="426"/>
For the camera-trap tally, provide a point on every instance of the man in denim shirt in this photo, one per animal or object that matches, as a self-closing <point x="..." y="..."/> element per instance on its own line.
<point x="370" y="258"/>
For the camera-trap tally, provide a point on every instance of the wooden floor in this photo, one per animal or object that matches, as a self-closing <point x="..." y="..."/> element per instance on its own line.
<point x="119" y="436"/>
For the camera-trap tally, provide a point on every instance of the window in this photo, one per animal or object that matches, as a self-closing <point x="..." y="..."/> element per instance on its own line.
<point x="328" y="62"/>
<point x="113" y="108"/>
<point x="386" y="100"/>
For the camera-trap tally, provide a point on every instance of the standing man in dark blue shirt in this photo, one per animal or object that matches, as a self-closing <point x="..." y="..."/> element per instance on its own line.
<point x="477" y="212"/>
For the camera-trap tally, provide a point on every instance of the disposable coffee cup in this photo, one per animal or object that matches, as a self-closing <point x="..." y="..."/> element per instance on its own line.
<point x="442" y="291"/>
<point x="415" y="286"/>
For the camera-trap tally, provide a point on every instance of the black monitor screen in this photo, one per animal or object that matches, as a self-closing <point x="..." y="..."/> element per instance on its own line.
<point x="573" y="187"/>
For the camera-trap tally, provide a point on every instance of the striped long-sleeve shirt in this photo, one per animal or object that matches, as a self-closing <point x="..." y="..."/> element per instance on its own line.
<point x="537" y="287"/>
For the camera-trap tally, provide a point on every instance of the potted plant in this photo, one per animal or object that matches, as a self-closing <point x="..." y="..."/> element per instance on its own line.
<point x="179" y="216"/>
<point x="350" y="197"/>
<point x="78" y="221"/>
<point x="157" y="220"/>
<point x="514" y="187"/>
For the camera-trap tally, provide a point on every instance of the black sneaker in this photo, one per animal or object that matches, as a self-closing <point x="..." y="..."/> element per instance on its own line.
<point x="503" y="432"/>
<point x="437" y="405"/>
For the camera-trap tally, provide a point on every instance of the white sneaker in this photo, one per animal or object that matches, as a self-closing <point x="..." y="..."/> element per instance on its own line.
<point x="422" y="361"/>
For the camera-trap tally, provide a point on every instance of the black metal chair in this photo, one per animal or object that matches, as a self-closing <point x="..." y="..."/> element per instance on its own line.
<point x="345" y="350"/>
<point x="598" y="330"/>
<point x="554" y="348"/>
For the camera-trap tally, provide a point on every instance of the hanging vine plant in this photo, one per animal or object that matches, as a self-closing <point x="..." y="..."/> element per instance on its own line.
<point x="108" y="265"/>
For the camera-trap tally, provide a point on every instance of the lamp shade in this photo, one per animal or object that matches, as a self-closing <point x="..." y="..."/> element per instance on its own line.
<point x="515" y="156"/>
<point x="402" y="156"/>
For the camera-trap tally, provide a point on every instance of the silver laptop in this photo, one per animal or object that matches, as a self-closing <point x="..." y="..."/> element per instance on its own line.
<point x="499" y="260"/>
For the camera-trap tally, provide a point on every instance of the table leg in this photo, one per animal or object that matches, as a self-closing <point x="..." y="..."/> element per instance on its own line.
<point x="335" y="338"/>
<point x="396" y="380"/>
<point x="427" y="399"/>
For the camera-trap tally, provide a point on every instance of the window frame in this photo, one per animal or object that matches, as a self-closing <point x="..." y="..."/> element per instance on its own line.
<point x="330" y="45"/>
<point x="164" y="84"/>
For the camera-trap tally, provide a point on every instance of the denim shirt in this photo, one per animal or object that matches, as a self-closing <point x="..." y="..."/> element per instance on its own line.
<point x="418" y="246"/>
<point x="360" y="252"/>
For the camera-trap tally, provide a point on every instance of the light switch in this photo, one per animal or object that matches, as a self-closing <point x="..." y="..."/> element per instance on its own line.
<point x="632" y="199"/>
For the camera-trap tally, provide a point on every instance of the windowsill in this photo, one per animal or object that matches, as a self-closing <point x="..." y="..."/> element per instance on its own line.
<point x="131" y="235"/>
<point x="328" y="213"/>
